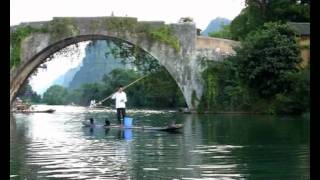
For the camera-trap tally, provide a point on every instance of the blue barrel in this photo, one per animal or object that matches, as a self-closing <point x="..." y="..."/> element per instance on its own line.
<point x="127" y="122"/>
<point x="128" y="134"/>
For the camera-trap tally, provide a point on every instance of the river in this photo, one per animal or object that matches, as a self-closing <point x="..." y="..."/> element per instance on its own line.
<point x="56" y="146"/>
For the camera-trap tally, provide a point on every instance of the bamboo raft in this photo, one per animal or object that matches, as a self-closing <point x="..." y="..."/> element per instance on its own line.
<point x="167" y="128"/>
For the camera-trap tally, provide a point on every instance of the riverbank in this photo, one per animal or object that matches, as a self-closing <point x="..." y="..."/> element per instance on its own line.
<point x="188" y="111"/>
<point x="43" y="107"/>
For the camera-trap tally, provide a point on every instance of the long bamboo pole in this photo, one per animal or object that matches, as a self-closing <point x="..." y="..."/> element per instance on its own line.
<point x="123" y="88"/>
<point x="115" y="92"/>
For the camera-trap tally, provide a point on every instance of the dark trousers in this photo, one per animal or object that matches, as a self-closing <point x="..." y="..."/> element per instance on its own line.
<point x="121" y="113"/>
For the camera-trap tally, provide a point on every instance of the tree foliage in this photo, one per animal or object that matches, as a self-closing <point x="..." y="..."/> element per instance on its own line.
<point x="26" y="93"/>
<point x="224" y="90"/>
<point x="266" y="57"/>
<point x="85" y="93"/>
<point x="16" y="38"/>
<point x="258" y="12"/>
<point x="55" y="95"/>
<point x="157" y="90"/>
<point x="263" y="76"/>
<point x="131" y="54"/>
<point x="296" y="101"/>
<point x="223" y="33"/>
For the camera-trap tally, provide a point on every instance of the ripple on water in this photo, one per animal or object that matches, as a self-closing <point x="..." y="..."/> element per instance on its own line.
<point x="151" y="169"/>
<point x="55" y="146"/>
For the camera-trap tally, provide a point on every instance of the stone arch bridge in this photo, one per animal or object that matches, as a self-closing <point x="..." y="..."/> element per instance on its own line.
<point x="176" y="46"/>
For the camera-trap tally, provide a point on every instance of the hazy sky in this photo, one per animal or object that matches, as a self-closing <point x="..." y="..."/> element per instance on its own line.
<point x="56" y="67"/>
<point x="170" y="11"/>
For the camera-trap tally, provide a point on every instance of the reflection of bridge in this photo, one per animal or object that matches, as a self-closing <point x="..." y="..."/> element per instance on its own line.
<point x="180" y="52"/>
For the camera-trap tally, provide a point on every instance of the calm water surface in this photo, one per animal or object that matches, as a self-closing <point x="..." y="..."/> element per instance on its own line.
<point x="56" y="146"/>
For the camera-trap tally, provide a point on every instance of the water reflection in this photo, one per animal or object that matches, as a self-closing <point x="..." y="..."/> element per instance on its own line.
<point x="45" y="146"/>
<point x="107" y="133"/>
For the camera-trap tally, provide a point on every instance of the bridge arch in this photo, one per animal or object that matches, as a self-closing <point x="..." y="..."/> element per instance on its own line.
<point x="176" y="46"/>
<point x="34" y="62"/>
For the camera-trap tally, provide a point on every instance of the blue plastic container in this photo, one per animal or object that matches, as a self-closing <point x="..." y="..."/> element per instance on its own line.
<point x="128" y="122"/>
<point x="128" y="134"/>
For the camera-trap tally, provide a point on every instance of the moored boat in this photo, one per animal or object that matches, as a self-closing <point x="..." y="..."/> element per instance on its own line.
<point x="33" y="111"/>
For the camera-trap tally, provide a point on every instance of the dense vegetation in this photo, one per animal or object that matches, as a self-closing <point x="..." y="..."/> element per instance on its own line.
<point x="157" y="90"/>
<point x="55" y="95"/>
<point x="27" y="94"/>
<point x="258" y="12"/>
<point x="16" y="38"/>
<point x="266" y="58"/>
<point x="263" y="76"/>
<point x="223" y="33"/>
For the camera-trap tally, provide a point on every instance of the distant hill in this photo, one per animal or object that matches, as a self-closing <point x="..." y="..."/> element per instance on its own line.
<point x="215" y="25"/>
<point x="95" y="64"/>
<point x="65" y="79"/>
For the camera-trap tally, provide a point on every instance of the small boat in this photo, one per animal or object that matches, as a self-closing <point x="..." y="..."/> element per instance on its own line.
<point x="99" y="107"/>
<point x="32" y="111"/>
<point x="170" y="128"/>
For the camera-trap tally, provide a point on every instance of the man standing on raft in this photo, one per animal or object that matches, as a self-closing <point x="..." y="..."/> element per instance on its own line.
<point x="121" y="99"/>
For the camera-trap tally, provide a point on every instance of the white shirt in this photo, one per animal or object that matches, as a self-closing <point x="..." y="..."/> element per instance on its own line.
<point x="92" y="103"/>
<point x="121" y="99"/>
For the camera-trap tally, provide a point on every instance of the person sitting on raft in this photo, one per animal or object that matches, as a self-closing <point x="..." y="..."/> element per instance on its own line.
<point x="107" y="123"/>
<point x="91" y="124"/>
<point x="172" y="124"/>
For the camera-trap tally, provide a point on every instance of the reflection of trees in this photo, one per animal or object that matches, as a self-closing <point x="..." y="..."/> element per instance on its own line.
<point x="17" y="140"/>
<point x="272" y="147"/>
<point x="257" y="130"/>
<point x="165" y="152"/>
<point x="253" y="146"/>
<point x="18" y="149"/>
<point x="156" y="150"/>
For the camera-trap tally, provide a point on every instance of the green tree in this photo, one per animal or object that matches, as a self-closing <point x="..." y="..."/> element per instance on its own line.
<point x="296" y="101"/>
<point x="75" y="96"/>
<point x="258" y="12"/>
<point x="266" y="57"/>
<point x="156" y="90"/>
<point x="26" y="93"/>
<point x="119" y="77"/>
<point x="244" y="23"/>
<point x="287" y="10"/>
<point x="160" y="90"/>
<point x="223" y="87"/>
<point x="223" y="33"/>
<point x="55" y="95"/>
<point x="91" y="91"/>
<point x="85" y="93"/>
